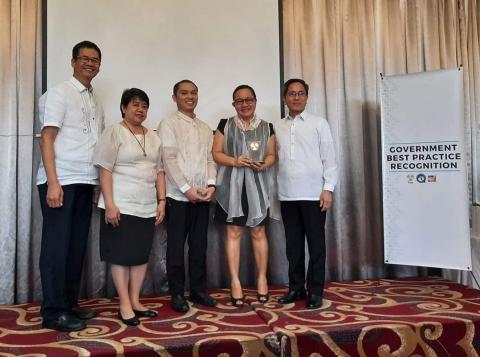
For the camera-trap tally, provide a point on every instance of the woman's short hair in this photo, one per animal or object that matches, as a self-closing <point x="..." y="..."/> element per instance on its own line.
<point x="129" y="94"/>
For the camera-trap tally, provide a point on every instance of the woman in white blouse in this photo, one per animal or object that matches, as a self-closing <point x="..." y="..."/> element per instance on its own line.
<point x="132" y="201"/>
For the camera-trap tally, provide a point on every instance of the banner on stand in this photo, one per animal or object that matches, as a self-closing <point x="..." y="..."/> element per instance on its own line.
<point x="425" y="190"/>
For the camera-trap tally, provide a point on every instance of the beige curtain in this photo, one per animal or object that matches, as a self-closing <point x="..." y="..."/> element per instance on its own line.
<point x="340" y="47"/>
<point x="20" y="83"/>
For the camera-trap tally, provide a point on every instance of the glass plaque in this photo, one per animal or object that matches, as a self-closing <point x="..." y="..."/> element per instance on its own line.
<point x="255" y="150"/>
<point x="255" y="147"/>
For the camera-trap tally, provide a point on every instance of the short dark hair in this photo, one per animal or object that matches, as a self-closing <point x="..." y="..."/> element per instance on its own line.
<point x="243" y="86"/>
<point x="294" y="80"/>
<point x="130" y="94"/>
<point x="85" y="44"/>
<point x="177" y="85"/>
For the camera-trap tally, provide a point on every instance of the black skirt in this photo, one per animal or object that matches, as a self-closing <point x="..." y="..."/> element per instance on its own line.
<point x="130" y="243"/>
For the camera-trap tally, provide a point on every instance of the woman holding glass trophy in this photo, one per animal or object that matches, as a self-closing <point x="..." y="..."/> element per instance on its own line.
<point x="244" y="148"/>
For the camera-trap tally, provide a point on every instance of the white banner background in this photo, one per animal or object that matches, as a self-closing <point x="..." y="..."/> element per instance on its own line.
<point x="425" y="192"/>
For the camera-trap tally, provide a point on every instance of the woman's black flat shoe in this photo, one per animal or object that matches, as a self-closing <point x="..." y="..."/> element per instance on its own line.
<point x="133" y="321"/>
<point x="263" y="298"/>
<point x="237" y="302"/>
<point x="145" y="313"/>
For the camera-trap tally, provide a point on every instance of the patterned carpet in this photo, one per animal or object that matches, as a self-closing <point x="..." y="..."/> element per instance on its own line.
<point x="406" y="317"/>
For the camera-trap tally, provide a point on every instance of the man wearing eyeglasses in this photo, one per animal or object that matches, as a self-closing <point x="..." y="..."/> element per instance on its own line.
<point x="307" y="174"/>
<point x="71" y="118"/>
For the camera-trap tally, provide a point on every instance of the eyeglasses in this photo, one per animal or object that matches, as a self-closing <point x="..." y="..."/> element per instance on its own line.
<point x="245" y="100"/>
<point x="85" y="60"/>
<point x="296" y="94"/>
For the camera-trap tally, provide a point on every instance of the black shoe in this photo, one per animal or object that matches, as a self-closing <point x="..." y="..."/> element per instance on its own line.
<point x="263" y="298"/>
<point x="237" y="302"/>
<point x="314" y="301"/>
<point x="145" y="313"/>
<point x="132" y="321"/>
<point x="179" y="303"/>
<point x="203" y="299"/>
<point x="64" y="322"/>
<point x="82" y="313"/>
<point x="292" y="296"/>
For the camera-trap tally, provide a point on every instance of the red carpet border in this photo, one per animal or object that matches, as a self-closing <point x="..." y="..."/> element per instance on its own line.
<point x="405" y="317"/>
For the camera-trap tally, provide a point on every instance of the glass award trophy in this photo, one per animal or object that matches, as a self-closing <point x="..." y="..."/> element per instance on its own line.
<point x="255" y="148"/>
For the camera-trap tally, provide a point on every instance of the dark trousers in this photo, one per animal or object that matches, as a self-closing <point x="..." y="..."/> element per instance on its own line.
<point x="64" y="239"/>
<point x="300" y="219"/>
<point x="186" y="219"/>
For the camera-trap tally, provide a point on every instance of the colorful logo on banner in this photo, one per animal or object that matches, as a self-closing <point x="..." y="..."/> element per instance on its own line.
<point x="421" y="178"/>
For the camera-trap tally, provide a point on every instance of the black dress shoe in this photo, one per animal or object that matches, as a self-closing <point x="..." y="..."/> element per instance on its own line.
<point x="179" y="303"/>
<point x="292" y="296"/>
<point x="64" y="322"/>
<point x="82" y="313"/>
<point x="132" y="321"/>
<point x="203" y="299"/>
<point x="145" y="313"/>
<point x="314" y="301"/>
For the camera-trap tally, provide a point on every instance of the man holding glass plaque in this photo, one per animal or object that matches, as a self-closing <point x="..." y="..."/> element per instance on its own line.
<point x="190" y="182"/>
<point x="307" y="174"/>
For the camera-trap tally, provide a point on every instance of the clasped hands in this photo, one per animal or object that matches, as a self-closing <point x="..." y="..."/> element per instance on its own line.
<point x="195" y="194"/>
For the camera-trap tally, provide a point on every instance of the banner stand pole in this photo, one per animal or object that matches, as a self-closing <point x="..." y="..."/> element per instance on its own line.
<point x="474" y="278"/>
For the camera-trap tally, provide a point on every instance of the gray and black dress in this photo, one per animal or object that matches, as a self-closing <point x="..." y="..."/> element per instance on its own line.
<point x="242" y="193"/>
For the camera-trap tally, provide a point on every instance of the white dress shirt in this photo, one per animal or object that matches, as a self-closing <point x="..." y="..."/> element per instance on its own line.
<point x="306" y="157"/>
<point x="78" y="114"/>
<point x="187" y="154"/>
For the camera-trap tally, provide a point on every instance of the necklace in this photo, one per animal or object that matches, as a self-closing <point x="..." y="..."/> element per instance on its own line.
<point x="143" y="147"/>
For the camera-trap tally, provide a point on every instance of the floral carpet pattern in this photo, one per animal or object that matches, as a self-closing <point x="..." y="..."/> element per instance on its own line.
<point x="404" y="317"/>
<point x="407" y="317"/>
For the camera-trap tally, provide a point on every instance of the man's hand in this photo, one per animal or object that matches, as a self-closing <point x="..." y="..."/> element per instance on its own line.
<point x="209" y="192"/>
<point x="326" y="200"/>
<point x="47" y="146"/>
<point x="95" y="196"/>
<point x="54" y="195"/>
<point x="193" y="195"/>
<point x="112" y="215"/>
<point x="160" y="212"/>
